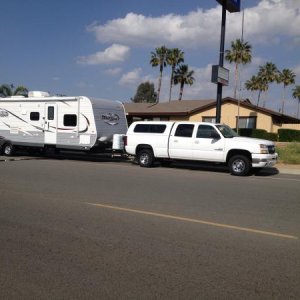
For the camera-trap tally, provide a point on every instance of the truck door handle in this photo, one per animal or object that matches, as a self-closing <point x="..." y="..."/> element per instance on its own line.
<point x="196" y="142"/>
<point x="175" y="141"/>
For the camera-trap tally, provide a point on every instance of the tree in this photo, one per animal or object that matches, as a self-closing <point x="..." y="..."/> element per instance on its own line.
<point x="240" y="53"/>
<point x="159" y="58"/>
<point x="7" y="90"/>
<point x="183" y="76"/>
<point x="286" y="77"/>
<point x="267" y="74"/>
<point x="174" y="57"/>
<point x="255" y="83"/>
<point x="296" y="95"/>
<point x="145" y="93"/>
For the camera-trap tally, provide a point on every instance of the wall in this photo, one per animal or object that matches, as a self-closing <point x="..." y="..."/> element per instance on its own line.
<point x="229" y="113"/>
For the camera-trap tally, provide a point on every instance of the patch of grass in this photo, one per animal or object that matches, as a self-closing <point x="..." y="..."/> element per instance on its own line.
<point x="289" y="154"/>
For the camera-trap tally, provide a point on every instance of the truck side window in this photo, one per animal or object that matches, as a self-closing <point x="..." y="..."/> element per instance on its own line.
<point x="150" y="128"/>
<point x="206" y="132"/>
<point x="184" y="130"/>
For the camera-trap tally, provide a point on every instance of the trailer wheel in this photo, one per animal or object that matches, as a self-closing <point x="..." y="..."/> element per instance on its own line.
<point x="145" y="158"/>
<point x="239" y="165"/>
<point x="8" y="149"/>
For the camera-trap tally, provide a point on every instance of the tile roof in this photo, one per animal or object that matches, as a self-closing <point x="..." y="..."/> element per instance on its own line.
<point x="188" y="107"/>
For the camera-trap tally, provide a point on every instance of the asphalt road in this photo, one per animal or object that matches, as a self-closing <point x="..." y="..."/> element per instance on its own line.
<point x="75" y="229"/>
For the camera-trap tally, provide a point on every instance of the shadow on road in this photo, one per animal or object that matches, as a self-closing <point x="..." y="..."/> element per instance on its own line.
<point x="107" y="157"/>
<point x="214" y="167"/>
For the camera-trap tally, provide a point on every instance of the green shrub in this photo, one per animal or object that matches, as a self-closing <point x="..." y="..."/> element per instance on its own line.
<point x="288" y="135"/>
<point x="290" y="154"/>
<point x="258" y="133"/>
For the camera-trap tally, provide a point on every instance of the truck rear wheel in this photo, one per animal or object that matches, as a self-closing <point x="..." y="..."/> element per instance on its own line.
<point x="145" y="158"/>
<point x="8" y="149"/>
<point x="239" y="165"/>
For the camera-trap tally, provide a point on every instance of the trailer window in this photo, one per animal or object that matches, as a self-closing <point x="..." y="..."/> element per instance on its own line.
<point x="184" y="130"/>
<point x="34" y="116"/>
<point x="150" y="128"/>
<point x="70" y="120"/>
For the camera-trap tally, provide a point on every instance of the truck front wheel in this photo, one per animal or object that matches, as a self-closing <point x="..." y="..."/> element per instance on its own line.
<point x="145" y="158"/>
<point x="239" y="165"/>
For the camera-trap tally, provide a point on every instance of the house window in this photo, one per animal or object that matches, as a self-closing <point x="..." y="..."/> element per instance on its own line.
<point x="247" y="122"/>
<point x="34" y="116"/>
<point x="209" y="119"/>
<point x="70" y="120"/>
<point x="184" y="130"/>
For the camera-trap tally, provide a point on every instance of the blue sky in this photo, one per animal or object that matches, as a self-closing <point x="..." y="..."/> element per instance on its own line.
<point x="102" y="48"/>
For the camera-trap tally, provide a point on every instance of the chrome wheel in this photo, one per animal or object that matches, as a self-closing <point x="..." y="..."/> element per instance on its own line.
<point x="146" y="158"/>
<point x="8" y="149"/>
<point x="239" y="165"/>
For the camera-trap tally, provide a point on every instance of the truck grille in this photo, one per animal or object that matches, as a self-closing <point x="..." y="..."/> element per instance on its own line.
<point x="271" y="149"/>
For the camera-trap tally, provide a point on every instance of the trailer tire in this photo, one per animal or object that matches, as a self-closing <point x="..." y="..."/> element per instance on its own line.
<point x="8" y="149"/>
<point x="145" y="158"/>
<point x="239" y="165"/>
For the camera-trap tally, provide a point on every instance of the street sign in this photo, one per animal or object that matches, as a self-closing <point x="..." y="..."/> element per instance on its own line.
<point x="231" y="5"/>
<point x="219" y="75"/>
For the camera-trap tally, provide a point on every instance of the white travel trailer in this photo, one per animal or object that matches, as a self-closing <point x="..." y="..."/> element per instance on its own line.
<point x="79" y="123"/>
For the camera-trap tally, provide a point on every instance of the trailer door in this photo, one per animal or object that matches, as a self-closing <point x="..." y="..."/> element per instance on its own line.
<point x="50" y="127"/>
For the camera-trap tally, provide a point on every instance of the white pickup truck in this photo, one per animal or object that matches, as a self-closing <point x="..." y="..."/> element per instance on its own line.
<point x="158" y="140"/>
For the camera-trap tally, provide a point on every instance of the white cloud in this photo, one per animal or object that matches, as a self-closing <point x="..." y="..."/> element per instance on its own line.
<point x="113" y="54"/>
<point x="202" y="87"/>
<point x="169" y="29"/>
<point x="267" y="22"/>
<point x="113" y="71"/>
<point x="133" y="78"/>
<point x="272" y="19"/>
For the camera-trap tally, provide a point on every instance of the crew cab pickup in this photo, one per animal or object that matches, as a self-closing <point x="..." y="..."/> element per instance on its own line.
<point x="198" y="141"/>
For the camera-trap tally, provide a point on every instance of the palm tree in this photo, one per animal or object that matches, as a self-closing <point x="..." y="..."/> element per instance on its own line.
<point x="240" y="53"/>
<point x="268" y="73"/>
<point x="7" y="90"/>
<point x="159" y="58"/>
<point x="296" y="95"/>
<point x="255" y="83"/>
<point x="183" y="76"/>
<point x="286" y="77"/>
<point x="174" y="57"/>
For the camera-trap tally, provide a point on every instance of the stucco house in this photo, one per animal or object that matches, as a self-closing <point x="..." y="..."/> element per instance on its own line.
<point x="232" y="110"/>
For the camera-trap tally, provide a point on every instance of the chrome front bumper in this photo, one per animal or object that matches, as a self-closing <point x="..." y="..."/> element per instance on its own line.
<point x="264" y="160"/>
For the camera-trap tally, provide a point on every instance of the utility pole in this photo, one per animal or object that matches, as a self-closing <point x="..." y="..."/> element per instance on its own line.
<point x="221" y="61"/>
<point x="220" y="75"/>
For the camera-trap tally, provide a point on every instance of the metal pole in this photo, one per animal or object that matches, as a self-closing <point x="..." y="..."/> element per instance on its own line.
<point x="221" y="62"/>
<point x="240" y="94"/>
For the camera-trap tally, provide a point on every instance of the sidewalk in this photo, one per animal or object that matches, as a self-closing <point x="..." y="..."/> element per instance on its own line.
<point x="288" y="169"/>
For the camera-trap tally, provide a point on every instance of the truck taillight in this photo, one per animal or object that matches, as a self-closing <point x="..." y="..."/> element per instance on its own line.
<point x="125" y="140"/>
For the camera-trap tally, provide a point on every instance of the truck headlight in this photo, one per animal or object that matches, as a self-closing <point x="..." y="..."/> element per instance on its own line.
<point x="264" y="149"/>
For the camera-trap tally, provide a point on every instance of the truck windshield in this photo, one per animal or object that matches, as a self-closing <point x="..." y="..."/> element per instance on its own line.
<point x="226" y="131"/>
